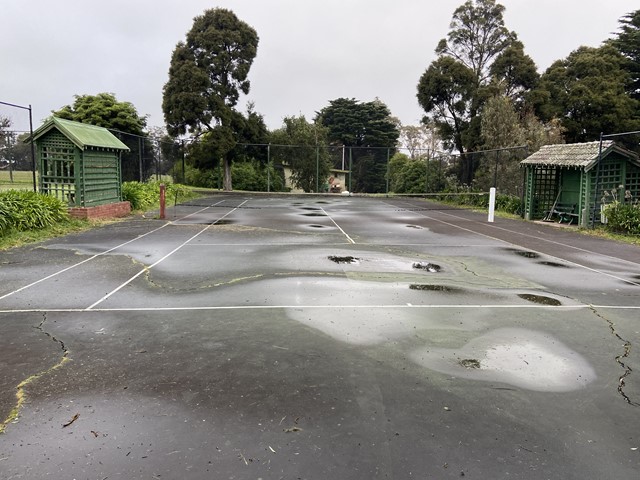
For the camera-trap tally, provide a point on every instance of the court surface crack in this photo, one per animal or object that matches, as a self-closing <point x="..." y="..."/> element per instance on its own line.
<point x="620" y="358"/>
<point x="21" y="388"/>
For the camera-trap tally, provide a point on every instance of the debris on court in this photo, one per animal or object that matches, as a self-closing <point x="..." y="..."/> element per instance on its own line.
<point x="429" y="267"/>
<point x="73" y="419"/>
<point x="470" y="363"/>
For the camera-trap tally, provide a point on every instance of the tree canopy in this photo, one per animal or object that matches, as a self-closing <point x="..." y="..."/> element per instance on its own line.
<point x="478" y="55"/>
<point x="208" y="72"/>
<point x="104" y="110"/>
<point x="627" y="42"/>
<point x="302" y="146"/>
<point x="368" y="126"/>
<point x="587" y="92"/>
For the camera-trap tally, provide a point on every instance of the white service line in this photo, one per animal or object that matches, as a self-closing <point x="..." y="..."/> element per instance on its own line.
<point x="145" y="269"/>
<point x="321" y="307"/>
<point x="93" y="257"/>
<point x="351" y="240"/>
<point x="536" y="251"/>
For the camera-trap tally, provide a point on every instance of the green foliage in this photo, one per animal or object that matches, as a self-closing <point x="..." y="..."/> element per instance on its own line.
<point x="407" y="175"/>
<point x="623" y="216"/>
<point x="587" y="91"/>
<point x="627" y="42"/>
<point x="249" y="176"/>
<point x="477" y="36"/>
<point x="104" y="110"/>
<point x="364" y="125"/>
<point x="23" y="210"/>
<point x="143" y="196"/>
<point x="479" y="57"/>
<point x="300" y="145"/>
<point x="206" y="76"/>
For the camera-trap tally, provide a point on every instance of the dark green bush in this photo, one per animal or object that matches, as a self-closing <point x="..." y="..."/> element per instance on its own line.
<point x="23" y="210"/>
<point x="144" y="196"/>
<point x="623" y="217"/>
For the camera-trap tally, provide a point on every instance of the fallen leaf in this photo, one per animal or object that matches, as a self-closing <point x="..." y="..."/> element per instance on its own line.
<point x="73" y="419"/>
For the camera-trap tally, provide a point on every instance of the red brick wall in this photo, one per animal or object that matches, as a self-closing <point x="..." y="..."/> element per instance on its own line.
<point x="110" y="210"/>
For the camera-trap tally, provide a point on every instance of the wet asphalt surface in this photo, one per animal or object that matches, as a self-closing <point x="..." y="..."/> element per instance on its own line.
<point x="266" y="337"/>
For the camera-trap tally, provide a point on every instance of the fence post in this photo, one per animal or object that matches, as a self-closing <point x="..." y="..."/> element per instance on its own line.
<point x="162" y="200"/>
<point x="492" y="203"/>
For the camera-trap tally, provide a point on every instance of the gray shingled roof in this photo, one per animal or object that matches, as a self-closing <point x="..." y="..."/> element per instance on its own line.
<point x="576" y="155"/>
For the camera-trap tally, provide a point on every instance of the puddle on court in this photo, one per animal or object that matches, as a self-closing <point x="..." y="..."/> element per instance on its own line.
<point x="311" y="208"/>
<point x="224" y="221"/>
<point x="317" y="226"/>
<point x="540" y="299"/>
<point x="417" y="227"/>
<point x="345" y="259"/>
<point x="435" y="288"/>
<point x="523" y="358"/>
<point x="429" y="267"/>
<point x="526" y="254"/>
<point x="314" y="214"/>
<point x="554" y="264"/>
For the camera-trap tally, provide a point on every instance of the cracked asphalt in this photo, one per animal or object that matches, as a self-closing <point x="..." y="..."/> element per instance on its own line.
<point x="225" y="343"/>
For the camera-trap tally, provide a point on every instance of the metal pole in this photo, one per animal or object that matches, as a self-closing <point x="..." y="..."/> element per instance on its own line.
<point x="350" y="167"/>
<point x="184" y="174"/>
<point x="140" y="159"/>
<point x="595" y="192"/>
<point x="33" y="150"/>
<point x="268" y="168"/>
<point x="317" y="169"/>
<point x="387" y="171"/>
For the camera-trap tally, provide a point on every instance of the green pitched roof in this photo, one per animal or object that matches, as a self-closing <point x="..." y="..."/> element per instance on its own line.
<point x="577" y="155"/>
<point x="83" y="135"/>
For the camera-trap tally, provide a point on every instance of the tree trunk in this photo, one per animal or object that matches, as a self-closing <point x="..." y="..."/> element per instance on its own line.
<point x="227" y="176"/>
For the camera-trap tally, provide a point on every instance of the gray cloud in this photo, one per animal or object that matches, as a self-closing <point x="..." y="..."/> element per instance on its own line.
<point x="310" y="51"/>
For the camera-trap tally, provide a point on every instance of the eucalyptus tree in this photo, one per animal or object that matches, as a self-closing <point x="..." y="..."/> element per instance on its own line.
<point x="208" y="72"/>
<point x="478" y="55"/>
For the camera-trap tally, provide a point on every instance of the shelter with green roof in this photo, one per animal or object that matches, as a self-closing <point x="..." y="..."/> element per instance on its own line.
<point x="79" y="163"/>
<point x="568" y="182"/>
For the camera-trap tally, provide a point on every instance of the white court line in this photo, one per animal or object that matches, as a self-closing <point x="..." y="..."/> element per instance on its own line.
<point x="145" y="269"/>
<point x="630" y="282"/>
<point x="94" y="257"/>
<point x="351" y="240"/>
<point x="319" y="307"/>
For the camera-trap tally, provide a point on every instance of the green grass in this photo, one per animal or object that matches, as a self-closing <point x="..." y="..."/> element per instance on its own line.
<point x="21" y="180"/>
<point x="72" y="225"/>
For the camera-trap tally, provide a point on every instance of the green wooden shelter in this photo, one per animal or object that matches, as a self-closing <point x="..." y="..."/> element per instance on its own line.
<point x="79" y="163"/>
<point x="568" y="182"/>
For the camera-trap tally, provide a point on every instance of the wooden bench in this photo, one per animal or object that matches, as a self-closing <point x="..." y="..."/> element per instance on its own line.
<point x="564" y="212"/>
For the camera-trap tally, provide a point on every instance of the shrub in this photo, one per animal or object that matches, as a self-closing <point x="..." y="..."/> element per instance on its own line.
<point x="24" y="210"/>
<point x="623" y="217"/>
<point x="144" y="196"/>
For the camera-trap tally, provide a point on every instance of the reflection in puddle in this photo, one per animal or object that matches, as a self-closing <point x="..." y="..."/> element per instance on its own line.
<point x="526" y="254"/>
<point x="346" y="259"/>
<point x="429" y="267"/>
<point x="554" y="264"/>
<point x="540" y="299"/>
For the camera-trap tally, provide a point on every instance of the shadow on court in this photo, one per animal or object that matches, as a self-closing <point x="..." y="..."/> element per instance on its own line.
<point x="316" y="337"/>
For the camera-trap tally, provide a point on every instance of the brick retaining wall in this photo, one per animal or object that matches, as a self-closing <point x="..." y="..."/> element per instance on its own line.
<point x="110" y="210"/>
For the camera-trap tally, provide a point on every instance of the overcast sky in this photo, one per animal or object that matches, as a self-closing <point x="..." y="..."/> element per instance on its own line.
<point x="310" y="51"/>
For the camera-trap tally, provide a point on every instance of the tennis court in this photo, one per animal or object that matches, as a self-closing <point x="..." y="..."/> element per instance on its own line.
<point x="312" y="337"/>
